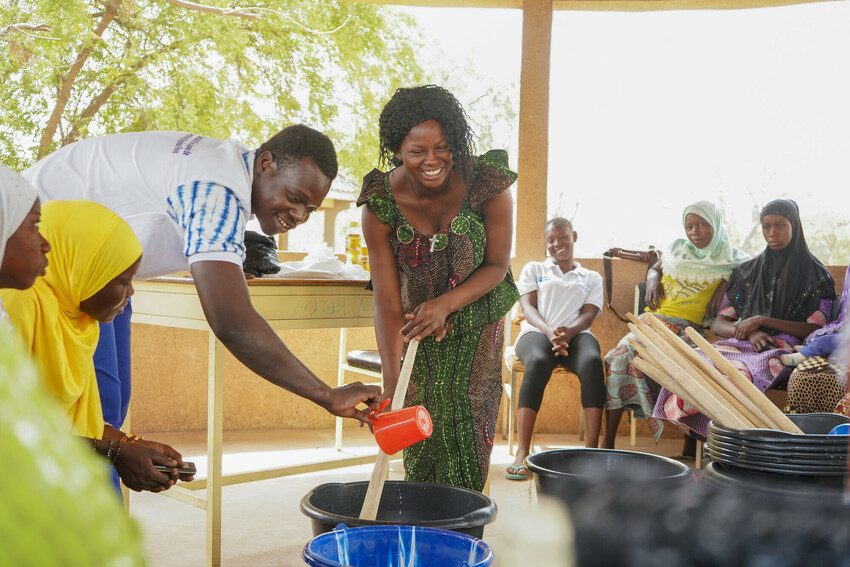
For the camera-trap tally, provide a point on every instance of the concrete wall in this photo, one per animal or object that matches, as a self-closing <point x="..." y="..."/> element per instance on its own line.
<point x="170" y="373"/>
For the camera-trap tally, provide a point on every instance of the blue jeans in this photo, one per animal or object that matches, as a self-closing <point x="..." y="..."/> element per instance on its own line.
<point x="112" y="366"/>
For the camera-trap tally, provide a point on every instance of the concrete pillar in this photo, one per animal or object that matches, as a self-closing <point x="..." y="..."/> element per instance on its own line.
<point x="533" y="130"/>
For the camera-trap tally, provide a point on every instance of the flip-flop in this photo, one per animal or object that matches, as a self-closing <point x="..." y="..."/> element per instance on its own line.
<point x="522" y="473"/>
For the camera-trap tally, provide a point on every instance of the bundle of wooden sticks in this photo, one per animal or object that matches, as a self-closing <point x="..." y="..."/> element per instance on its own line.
<point x="722" y="393"/>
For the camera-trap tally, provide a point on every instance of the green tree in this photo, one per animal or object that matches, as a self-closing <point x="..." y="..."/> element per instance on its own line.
<point x="829" y="238"/>
<point x="491" y="103"/>
<point x="74" y="68"/>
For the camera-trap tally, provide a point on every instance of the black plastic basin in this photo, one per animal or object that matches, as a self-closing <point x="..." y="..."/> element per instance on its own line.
<point x="818" y="423"/>
<point x="807" y="487"/>
<point x="408" y="503"/>
<point x="814" y="426"/>
<point x="570" y="470"/>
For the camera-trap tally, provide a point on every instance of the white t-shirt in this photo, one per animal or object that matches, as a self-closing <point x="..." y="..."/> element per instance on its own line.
<point x="560" y="296"/>
<point x="187" y="197"/>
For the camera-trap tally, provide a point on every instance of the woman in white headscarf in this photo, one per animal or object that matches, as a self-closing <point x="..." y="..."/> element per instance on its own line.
<point x="74" y="488"/>
<point x="683" y="290"/>
<point x="22" y="249"/>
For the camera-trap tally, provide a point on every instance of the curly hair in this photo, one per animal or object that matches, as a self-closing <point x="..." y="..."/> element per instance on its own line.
<point x="411" y="106"/>
<point x="298" y="141"/>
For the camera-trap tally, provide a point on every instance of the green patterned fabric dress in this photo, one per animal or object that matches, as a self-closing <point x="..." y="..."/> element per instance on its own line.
<point x="458" y="379"/>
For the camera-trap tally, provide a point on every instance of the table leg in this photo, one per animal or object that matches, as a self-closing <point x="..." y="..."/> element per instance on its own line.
<point x="340" y="381"/>
<point x="215" y="381"/>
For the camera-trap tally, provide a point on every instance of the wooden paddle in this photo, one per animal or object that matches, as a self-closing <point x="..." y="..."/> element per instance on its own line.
<point x="779" y="419"/>
<point x="713" y="377"/>
<point x="372" y="500"/>
<point x="690" y="384"/>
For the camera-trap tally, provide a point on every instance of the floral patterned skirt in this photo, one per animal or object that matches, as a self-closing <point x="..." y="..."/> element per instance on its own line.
<point x="629" y="388"/>
<point x="762" y="368"/>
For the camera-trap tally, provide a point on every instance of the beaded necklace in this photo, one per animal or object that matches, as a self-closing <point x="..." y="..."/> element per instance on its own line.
<point x="439" y="240"/>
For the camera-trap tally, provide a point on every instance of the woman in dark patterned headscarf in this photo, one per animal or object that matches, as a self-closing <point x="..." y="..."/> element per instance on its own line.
<point x="773" y="302"/>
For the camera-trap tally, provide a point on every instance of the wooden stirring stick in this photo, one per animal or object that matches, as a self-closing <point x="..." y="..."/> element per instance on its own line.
<point x="713" y="377"/>
<point x="754" y="394"/>
<point x="372" y="500"/>
<point x="688" y="383"/>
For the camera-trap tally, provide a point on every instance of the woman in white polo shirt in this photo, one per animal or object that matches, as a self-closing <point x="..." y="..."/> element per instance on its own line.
<point x="559" y="300"/>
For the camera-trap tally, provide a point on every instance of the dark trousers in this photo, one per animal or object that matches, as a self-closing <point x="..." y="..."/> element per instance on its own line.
<point x="584" y="360"/>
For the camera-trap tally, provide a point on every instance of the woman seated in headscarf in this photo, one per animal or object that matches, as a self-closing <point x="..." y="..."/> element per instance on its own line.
<point x="683" y="290"/>
<point x="95" y="530"/>
<point x="773" y="302"/>
<point x="93" y="256"/>
<point x="818" y="382"/>
<point x="22" y="248"/>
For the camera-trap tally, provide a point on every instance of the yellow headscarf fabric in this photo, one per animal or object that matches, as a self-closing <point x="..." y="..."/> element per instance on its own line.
<point x="90" y="246"/>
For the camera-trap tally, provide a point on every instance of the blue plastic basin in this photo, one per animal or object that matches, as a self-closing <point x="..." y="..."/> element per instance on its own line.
<point x="396" y="546"/>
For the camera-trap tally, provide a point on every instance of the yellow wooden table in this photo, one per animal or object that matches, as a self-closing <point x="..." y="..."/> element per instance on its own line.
<point x="285" y="304"/>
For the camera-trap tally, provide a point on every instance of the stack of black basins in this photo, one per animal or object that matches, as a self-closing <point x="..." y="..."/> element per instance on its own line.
<point x="811" y="465"/>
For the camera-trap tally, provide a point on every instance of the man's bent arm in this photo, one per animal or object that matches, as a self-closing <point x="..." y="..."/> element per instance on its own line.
<point x="227" y="306"/>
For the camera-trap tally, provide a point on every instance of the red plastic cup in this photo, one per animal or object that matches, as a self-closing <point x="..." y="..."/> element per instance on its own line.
<point x="399" y="429"/>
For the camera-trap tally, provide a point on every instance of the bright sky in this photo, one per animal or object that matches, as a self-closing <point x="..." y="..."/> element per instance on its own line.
<point x="650" y="111"/>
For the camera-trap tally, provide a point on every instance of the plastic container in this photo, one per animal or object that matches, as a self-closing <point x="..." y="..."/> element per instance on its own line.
<point x="791" y="465"/>
<point x="399" y="429"/>
<point x="353" y="242"/>
<point x="402" y="502"/>
<point x="843" y="429"/>
<point x="396" y="546"/>
<point x="815" y="428"/>
<point x="811" y="488"/>
<point x="565" y="471"/>
<point x="364" y="257"/>
<point x="341" y="222"/>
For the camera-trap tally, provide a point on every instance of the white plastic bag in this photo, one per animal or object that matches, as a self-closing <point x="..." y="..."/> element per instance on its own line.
<point x="321" y="263"/>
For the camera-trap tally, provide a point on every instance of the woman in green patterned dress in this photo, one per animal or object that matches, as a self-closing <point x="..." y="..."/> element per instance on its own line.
<point x="438" y="227"/>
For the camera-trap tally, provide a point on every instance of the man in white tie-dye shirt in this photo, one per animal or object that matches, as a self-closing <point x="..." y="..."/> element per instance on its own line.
<point x="188" y="197"/>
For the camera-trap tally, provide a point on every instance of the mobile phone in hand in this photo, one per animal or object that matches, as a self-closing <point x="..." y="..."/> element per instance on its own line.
<point x="187" y="468"/>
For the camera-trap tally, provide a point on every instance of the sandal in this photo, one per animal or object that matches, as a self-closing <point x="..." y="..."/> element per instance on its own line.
<point x="517" y="473"/>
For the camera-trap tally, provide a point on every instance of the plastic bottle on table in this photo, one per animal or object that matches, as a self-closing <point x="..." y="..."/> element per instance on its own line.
<point x="353" y="242"/>
<point x="364" y="257"/>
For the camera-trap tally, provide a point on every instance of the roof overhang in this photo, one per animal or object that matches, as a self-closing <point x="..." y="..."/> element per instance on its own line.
<point x="600" y="5"/>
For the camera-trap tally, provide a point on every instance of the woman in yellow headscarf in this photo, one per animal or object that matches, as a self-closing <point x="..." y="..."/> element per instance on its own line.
<point x="95" y="529"/>
<point x="94" y="256"/>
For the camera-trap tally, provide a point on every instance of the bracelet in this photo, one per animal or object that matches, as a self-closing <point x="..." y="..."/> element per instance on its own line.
<point x="109" y="450"/>
<point x="117" y="451"/>
<point x="94" y="445"/>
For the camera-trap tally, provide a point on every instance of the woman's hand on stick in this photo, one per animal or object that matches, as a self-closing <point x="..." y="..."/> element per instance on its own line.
<point x="428" y="317"/>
